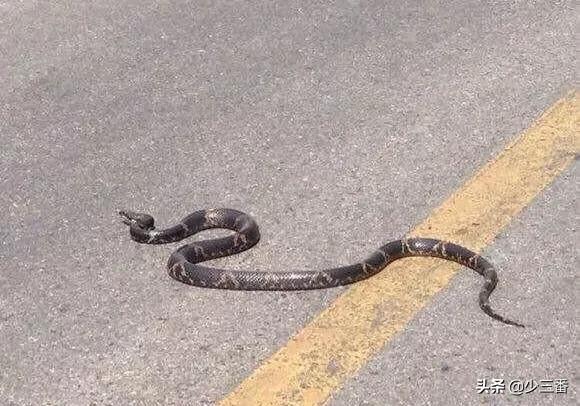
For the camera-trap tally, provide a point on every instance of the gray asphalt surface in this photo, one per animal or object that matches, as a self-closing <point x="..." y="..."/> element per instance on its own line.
<point x="338" y="126"/>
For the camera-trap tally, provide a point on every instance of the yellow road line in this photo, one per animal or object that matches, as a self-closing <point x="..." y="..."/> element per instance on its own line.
<point x="340" y="340"/>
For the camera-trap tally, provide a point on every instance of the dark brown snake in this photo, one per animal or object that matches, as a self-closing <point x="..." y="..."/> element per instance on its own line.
<point x="183" y="264"/>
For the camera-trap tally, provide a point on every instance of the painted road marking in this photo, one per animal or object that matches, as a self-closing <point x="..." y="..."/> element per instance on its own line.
<point x="341" y="339"/>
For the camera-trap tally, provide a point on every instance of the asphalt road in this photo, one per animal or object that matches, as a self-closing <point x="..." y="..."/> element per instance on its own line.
<point x="337" y="126"/>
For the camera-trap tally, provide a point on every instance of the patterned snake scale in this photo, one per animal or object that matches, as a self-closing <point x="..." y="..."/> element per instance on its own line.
<point x="183" y="264"/>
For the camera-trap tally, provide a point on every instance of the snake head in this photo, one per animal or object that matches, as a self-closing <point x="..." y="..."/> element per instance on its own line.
<point x="139" y="220"/>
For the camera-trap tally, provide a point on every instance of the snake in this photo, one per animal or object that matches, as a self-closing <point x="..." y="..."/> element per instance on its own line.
<point x="184" y="263"/>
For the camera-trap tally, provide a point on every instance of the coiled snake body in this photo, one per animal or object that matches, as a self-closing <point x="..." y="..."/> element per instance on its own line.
<point x="183" y="264"/>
